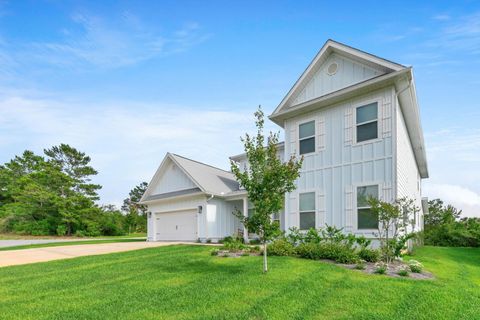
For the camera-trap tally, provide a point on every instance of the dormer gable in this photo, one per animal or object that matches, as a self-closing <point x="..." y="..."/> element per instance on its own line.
<point x="335" y="67"/>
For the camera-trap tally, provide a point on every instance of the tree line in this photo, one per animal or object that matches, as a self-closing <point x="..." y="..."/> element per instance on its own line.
<point x="53" y="194"/>
<point x="445" y="226"/>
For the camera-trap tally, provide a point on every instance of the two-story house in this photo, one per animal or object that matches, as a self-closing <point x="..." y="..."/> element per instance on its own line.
<point x="354" y="118"/>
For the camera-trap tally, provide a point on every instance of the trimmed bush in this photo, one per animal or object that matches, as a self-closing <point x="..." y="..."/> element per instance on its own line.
<point x="338" y="252"/>
<point x="281" y="247"/>
<point x="370" y="255"/>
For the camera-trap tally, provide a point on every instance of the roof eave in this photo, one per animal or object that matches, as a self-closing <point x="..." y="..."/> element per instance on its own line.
<point x="411" y="113"/>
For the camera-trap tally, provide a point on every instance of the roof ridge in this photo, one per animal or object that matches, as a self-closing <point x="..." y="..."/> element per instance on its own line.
<point x="202" y="163"/>
<point x="366" y="52"/>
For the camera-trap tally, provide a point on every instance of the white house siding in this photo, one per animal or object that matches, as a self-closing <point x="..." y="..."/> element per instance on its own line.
<point x="172" y="179"/>
<point x="339" y="165"/>
<point x="220" y="220"/>
<point x="408" y="177"/>
<point x="348" y="73"/>
<point x="183" y="203"/>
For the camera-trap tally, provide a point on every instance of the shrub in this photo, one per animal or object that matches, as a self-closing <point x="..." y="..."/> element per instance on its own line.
<point x="255" y="249"/>
<point x="415" y="266"/>
<point x="234" y="245"/>
<point x="333" y="234"/>
<point x="334" y="251"/>
<point x="403" y="272"/>
<point x="61" y="230"/>
<point x="294" y="236"/>
<point x="360" y="265"/>
<point x="214" y="252"/>
<point x="254" y="241"/>
<point x="363" y="242"/>
<point x="209" y="241"/>
<point x="381" y="268"/>
<point x="226" y="239"/>
<point x="312" y="236"/>
<point x="370" y="255"/>
<point x="281" y="247"/>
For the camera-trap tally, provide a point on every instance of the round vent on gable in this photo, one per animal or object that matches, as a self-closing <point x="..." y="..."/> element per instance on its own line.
<point x="332" y="68"/>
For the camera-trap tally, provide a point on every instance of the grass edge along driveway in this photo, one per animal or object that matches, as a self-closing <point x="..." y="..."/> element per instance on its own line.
<point x="186" y="282"/>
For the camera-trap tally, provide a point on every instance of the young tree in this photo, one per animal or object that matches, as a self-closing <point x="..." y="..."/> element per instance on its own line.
<point x="266" y="180"/>
<point x="393" y="222"/>
<point x="136" y="214"/>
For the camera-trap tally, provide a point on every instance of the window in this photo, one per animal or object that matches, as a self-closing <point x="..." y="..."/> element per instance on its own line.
<point x="276" y="217"/>
<point x="307" y="210"/>
<point x="307" y="137"/>
<point x="366" y="218"/>
<point x="367" y="123"/>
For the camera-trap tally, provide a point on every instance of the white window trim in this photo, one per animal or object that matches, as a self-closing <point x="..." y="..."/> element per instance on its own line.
<point x="315" y="210"/>
<point x="314" y="136"/>
<point x="355" y="125"/>
<point x="356" y="208"/>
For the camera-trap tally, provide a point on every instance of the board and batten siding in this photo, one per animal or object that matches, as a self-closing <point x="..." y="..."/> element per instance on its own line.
<point x="349" y="72"/>
<point x="172" y="179"/>
<point x="176" y="205"/>
<point x="220" y="221"/>
<point x="339" y="164"/>
<point x="408" y="182"/>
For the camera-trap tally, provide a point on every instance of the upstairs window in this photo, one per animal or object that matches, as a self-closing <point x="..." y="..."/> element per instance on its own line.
<point x="307" y="137"/>
<point x="366" y="219"/>
<point x="307" y="210"/>
<point x="367" y="122"/>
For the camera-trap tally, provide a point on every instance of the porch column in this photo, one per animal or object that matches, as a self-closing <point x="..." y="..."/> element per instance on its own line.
<point x="245" y="214"/>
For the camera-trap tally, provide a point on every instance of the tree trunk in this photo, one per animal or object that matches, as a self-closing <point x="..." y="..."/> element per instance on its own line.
<point x="265" y="265"/>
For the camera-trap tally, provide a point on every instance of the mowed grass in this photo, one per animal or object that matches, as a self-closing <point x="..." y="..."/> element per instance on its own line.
<point x="185" y="282"/>
<point x="70" y="243"/>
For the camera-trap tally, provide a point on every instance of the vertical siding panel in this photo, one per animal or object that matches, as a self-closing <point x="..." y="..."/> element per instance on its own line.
<point x="349" y="208"/>
<point x="348" y="124"/>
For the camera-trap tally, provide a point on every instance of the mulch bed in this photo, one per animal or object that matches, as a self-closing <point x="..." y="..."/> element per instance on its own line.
<point x="392" y="270"/>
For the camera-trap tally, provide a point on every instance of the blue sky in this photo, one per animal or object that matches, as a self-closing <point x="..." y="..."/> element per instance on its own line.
<point x="127" y="81"/>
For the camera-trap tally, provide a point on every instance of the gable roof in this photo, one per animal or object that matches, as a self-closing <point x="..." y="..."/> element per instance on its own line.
<point x="394" y="74"/>
<point x="328" y="48"/>
<point x="208" y="179"/>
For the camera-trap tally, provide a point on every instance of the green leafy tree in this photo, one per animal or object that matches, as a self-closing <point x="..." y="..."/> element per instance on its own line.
<point x="394" y="220"/>
<point x="439" y="214"/>
<point x="266" y="180"/>
<point x="135" y="213"/>
<point x="75" y="164"/>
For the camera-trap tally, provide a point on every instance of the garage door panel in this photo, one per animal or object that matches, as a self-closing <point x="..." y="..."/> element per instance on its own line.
<point x="177" y="226"/>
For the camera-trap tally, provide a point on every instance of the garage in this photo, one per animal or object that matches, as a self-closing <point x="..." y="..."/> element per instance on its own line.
<point x="176" y="226"/>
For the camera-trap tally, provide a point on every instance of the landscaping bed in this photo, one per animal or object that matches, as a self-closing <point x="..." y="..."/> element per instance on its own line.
<point x="333" y="246"/>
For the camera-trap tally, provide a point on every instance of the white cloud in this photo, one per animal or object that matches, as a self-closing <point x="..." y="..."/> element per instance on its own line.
<point x="458" y="196"/>
<point x="126" y="141"/>
<point x="454" y="158"/>
<point x="111" y="44"/>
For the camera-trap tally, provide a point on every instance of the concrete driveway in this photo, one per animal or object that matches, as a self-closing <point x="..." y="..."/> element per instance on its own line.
<point x="14" y="243"/>
<point x="25" y="256"/>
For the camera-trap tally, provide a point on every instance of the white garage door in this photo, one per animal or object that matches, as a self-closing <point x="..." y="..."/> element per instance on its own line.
<point x="178" y="226"/>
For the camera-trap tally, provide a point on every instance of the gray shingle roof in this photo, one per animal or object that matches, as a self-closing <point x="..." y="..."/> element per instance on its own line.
<point x="210" y="179"/>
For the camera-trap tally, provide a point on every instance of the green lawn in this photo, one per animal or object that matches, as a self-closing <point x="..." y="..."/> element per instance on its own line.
<point x="70" y="243"/>
<point x="185" y="282"/>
